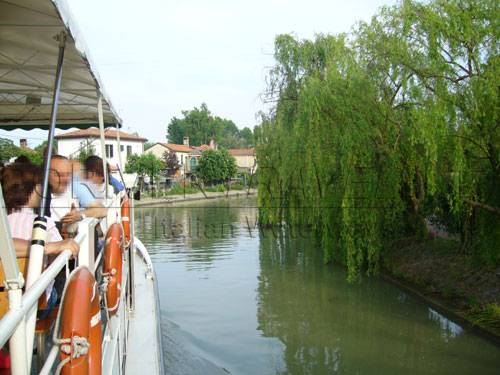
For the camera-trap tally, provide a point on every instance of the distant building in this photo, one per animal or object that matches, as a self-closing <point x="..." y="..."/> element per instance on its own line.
<point x="245" y="159"/>
<point x="187" y="155"/>
<point x="71" y="143"/>
<point x="23" y="144"/>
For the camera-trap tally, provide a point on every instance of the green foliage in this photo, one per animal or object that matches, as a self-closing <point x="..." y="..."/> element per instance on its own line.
<point x="216" y="166"/>
<point x="132" y="165"/>
<point x="86" y="149"/>
<point x="201" y="126"/>
<point x="180" y="190"/>
<point x="248" y="138"/>
<point x="34" y="156"/>
<point x="7" y="150"/>
<point x="148" y="145"/>
<point x="40" y="149"/>
<point x="374" y="132"/>
<point x="145" y="164"/>
<point x="220" y="188"/>
<point x="237" y="186"/>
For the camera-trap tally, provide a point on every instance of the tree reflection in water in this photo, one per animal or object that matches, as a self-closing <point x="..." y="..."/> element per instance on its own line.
<point x="330" y="326"/>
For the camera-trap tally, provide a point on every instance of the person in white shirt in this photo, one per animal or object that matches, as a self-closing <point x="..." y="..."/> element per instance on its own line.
<point x="63" y="198"/>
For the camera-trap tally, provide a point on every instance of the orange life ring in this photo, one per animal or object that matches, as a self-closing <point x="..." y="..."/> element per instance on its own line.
<point x="80" y="322"/>
<point x="126" y="218"/>
<point x="112" y="268"/>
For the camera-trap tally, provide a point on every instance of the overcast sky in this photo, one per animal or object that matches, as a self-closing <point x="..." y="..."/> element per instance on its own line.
<point x="159" y="57"/>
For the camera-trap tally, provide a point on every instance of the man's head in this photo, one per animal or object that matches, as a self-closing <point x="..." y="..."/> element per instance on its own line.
<point x="94" y="169"/>
<point x="60" y="174"/>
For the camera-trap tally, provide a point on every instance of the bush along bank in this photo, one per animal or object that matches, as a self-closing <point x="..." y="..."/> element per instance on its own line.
<point x="442" y="273"/>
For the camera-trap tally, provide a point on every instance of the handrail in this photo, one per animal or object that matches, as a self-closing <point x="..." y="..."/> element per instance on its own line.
<point x="13" y="317"/>
<point x="145" y="255"/>
<point x="49" y="362"/>
<point x="30" y="298"/>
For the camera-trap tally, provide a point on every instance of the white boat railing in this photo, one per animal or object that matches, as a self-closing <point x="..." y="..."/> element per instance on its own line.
<point x="13" y="317"/>
<point x="145" y="255"/>
<point x="86" y="256"/>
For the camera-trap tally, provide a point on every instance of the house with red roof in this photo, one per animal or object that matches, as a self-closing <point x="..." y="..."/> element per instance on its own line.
<point x="187" y="155"/>
<point x="245" y="159"/>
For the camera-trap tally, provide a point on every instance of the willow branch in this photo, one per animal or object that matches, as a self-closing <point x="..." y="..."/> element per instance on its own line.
<point x="483" y="206"/>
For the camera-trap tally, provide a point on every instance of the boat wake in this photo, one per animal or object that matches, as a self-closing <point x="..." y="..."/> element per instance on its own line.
<point x="179" y="353"/>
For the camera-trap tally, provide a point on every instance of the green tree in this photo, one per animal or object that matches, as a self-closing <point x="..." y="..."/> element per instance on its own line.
<point x="145" y="165"/>
<point x="216" y="166"/>
<point x="40" y="149"/>
<point x="7" y="150"/>
<point x="392" y="125"/>
<point x="34" y="156"/>
<point x="200" y="125"/>
<point x="86" y="149"/>
<point x="132" y="165"/>
<point x="248" y="137"/>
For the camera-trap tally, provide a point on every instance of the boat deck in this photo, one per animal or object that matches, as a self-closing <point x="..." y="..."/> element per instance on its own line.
<point x="144" y="340"/>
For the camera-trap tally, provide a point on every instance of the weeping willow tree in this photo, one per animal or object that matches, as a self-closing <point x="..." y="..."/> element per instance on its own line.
<point x="375" y="132"/>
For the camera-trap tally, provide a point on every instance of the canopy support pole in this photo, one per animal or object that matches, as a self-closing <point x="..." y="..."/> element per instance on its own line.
<point x="39" y="234"/>
<point x="103" y="144"/>
<point x="120" y="165"/>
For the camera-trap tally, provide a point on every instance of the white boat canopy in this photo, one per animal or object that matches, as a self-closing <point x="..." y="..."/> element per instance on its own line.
<point x="28" y="61"/>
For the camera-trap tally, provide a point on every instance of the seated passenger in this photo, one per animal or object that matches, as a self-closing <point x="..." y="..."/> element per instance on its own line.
<point x="60" y="199"/>
<point x="91" y="191"/>
<point x="63" y="203"/>
<point x="21" y="191"/>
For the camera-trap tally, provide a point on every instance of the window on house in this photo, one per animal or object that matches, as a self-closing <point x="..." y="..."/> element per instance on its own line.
<point x="109" y="151"/>
<point x="129" y="150"/>
<point x="182" y="159"/>
<point x="121" y="148"/>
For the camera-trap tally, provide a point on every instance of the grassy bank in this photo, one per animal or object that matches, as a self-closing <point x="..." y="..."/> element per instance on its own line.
<point x="441" y="271"/>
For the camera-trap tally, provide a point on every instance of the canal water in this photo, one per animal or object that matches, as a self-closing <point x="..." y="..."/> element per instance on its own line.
<point x="235" y="299"/>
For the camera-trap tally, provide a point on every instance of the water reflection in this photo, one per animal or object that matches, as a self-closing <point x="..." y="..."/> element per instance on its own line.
<point x="197" y="234"/>
<point x="329" y="326"/>
<point x="262" y="302"/>
<point x="449" y="330"/>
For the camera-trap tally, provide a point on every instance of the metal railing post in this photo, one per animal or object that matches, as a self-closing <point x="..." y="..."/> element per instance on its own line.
<point x="118" y="145"/>
<point x="17" y="342"/>
<point x="14" y="282"/>
<point x="132" y="254"/>
<point x="103" y="142"/>
<point x="86" y="255"/>
<point x="39" y="235"/>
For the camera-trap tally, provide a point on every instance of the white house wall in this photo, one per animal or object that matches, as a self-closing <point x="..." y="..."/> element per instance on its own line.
<point x="157" y="150"/>
<point x="71" y="148"/>
<point x="245" y="161"/>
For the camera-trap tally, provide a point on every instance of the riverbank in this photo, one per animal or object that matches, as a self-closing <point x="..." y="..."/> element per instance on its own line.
<point x="173" y="199"/>
<point x="438" y="271"/>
